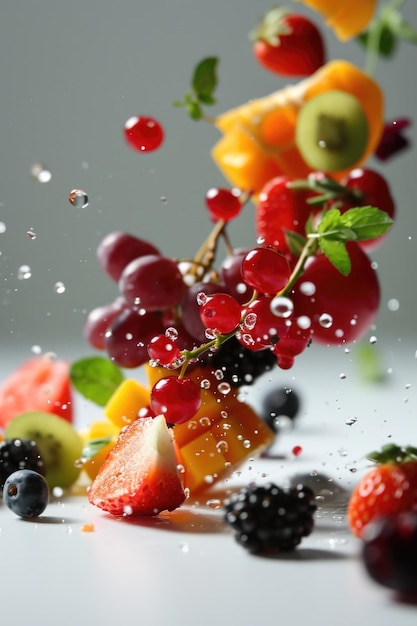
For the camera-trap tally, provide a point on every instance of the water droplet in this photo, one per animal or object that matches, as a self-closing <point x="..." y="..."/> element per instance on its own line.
<point x="214" y="503"/>
<point x="171" y="333"/>
<point x="219" y="374"/>
<point x="30" y="234"/>
<point x="224" y="388"/>
<point x="24" y="272"/>
<point x="222" y="446"/>
<point x="281" y="306"/>
<point x="342" y="376"/>
<point x="201" y="298"/>
<point x="78" y="198"/>
<point x="308" y="288"/>
<point x="209" y="479"/>
<point x="350" y="421"/>
<point x="393" y="304"/>
<point x="303" y="322"/>
<point x="210" y="334"/>
<point x="163" y="199"/>
<point x="40" y="173"/>
<point x="2" y="227"/>
<point x="184" y="547"/>
<point x="325" y="320"/>
<point x="205" y="421"/>
<point x="57" y="492"/>
<point x="205" y="383"/>
<point x="373" y="339"/>
<point x="127" y="510"/>
<point x="180" y="469"/>
<point x="59" y="287"/>
<point x="247" y="444"/>
<point x="241" y="288"/>
<point x="36" y="349"/>
<point x="250" y="321"/>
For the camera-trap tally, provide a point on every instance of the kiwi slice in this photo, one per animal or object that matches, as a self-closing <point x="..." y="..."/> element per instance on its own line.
<point x="59" y="443"/>
<point x="332" y="131"/>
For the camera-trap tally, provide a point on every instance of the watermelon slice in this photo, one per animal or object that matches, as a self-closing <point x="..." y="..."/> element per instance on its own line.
<point x="139" y="476"/>
<point x="41" y="383"/>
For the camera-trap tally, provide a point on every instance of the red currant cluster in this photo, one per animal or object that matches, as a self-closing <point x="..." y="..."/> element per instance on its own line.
<point x="272" y="299"/>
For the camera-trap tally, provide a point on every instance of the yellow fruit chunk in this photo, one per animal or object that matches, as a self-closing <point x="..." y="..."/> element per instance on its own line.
<point x="258" y="139"/>
<point x="123" y="406"/>
<point x="99" y="429"/>
<point x="348" y="18"/>
<point x="220" y="436"/>
<point x="202" y="461"/>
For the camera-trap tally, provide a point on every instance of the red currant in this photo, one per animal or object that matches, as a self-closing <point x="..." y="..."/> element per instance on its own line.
<point x="261" y="328"/>
<point x="164" y="350"/>
<point x="266" y="270"/>
<point x="223" y="204"/>
<point x="143" y="133"/>
<point x="221" y="313"/>
<point x="178" y="399"/>
<point x="293" y="343"/>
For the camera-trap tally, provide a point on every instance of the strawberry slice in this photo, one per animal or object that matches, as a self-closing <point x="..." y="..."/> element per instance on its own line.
<point x="39" y="384"/>
<point x="139" y="476"/>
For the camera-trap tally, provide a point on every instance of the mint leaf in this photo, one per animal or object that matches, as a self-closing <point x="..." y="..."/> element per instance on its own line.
<point x="295" y="242"/>
<point x="204" y="80"/>
<point x="337" y="254"/>
<point x="366" y="222"/>
<point x="203" y="85"/>
<point x="96" y="378"/>
<point x="333" y="227"/>
<point x="94" y="446"/>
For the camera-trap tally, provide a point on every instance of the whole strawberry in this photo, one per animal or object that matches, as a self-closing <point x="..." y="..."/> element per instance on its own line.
<point x="288" y="44"/>
<point x="389" y="488"/>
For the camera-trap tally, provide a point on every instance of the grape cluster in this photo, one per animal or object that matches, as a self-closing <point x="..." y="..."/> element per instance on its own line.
<point x="262" y="306"/>
<point x="157" y="314"/>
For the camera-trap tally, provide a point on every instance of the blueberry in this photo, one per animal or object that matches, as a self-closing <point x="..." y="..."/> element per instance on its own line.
<point x="26" y="493"/>
<point x="281" y="401"/>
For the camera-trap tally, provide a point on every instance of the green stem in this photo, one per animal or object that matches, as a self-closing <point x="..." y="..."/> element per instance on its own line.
<point x="309" y="249"/>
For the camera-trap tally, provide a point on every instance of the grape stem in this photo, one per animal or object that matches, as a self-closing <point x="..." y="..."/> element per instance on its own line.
<point x="309" y="249"/>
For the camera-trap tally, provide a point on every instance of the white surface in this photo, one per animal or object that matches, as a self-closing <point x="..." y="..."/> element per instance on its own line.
<point x="186" y="567"/>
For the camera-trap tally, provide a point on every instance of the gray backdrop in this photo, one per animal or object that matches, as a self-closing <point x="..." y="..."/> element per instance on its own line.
<point x="71" y="74"/>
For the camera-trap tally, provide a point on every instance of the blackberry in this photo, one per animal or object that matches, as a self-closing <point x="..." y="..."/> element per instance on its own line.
<point x="17" y="454"/>
<point x="269" y="519"/>
<point x="281" y="401"/>
<point x="240" y="366"/>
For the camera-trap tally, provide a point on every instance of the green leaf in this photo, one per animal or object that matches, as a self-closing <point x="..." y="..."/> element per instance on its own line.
<point x="96" y="378"/>
<point x="392" y="453"/>
<point x="94" y="446"/>
<point x="295" y="242"/>
<point x="337" y="254"/>
<point x="366" y="222"/>
<point x="204" y="80"/>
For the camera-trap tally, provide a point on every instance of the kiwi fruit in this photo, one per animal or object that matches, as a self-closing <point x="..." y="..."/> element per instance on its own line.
<point x="332" y="131"/>
<point x="59" y="444"/>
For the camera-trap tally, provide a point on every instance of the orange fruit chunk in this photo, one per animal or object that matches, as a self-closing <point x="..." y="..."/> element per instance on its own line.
<point x="348" y="18"/>
<point x="258" y="137"/>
